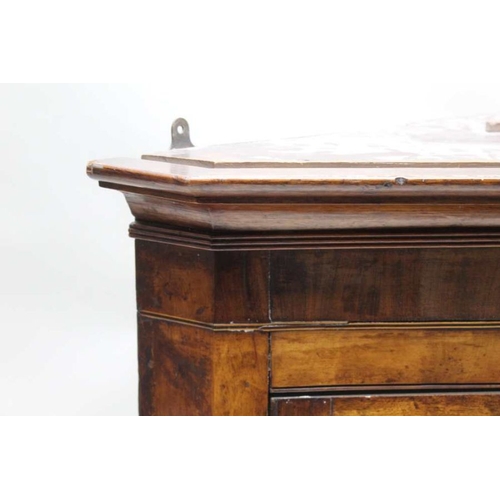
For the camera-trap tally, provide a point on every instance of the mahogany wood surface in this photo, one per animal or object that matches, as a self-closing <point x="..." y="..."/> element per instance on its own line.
<point x="385" y="356"/>
<point x="175" y="281"/>
<point x="203" y="286"/>
<point x="464" y="404"/>
<point x="318" y="240"/>
<point x="403" y="284"/>
<point x="262" y="215"/>
<point x="187" y="370"/>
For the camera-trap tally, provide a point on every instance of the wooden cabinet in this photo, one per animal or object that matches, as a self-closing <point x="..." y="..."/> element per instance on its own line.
<point x="309" y="277"/>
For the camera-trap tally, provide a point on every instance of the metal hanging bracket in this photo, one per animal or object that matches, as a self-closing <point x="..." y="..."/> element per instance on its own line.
<point x="493" y="125"/>
<point x="180" y="134"/>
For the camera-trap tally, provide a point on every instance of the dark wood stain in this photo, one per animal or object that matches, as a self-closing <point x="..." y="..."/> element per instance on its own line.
<point x="241" y="287"/>
<point x="179" y="372"/>
<point x="185" y="370"/>
<point x="254" y="215"/>
<point x="310" y="240"/>
<point x="386" y="285"/>
<point x="146" y="366"/>
<point x="175" y="280"/>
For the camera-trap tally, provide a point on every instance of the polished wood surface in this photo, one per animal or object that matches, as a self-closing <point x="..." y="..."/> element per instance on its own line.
<point x="463" y="404"/>
<point x="189" y="370"/>
<point x="403" y="284"/>
<point x="322" y="182"/>
<point x="175" y="281"/>
<point x="202" y="286"/>
<point x="354" y="275"/>
<point x="290" y="215"/>
<point x="316" y="240"/>
<point x="435" y="176"/>
<point x="373" y="356"/>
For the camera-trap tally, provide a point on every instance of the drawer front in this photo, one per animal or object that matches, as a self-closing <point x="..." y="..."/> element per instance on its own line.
<point x="344" y="357"/>
<point x="388" y="284"/>
<point x="471" y="404"/>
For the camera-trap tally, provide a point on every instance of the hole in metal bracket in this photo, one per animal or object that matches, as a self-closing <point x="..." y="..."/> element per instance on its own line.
<point x="493" y="125"/>
<point x="180" y="134"/>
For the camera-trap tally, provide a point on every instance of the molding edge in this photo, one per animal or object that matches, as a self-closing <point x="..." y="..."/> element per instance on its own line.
<point x="471" y="238"/>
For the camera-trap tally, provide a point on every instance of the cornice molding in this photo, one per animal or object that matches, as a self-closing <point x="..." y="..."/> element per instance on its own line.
<point x="314" y="240"/>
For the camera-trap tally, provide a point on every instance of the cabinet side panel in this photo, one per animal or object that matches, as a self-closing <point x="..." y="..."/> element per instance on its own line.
<point x="241" y="287"/>
<point x="186" y="370"/>
<point x="174" y="280"/>
<point x="177" y="380"/>
<point x="241" y="378"/>
<point x="145" y="353"/>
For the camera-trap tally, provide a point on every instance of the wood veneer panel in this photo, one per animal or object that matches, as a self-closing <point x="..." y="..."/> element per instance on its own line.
<point x="187" y="370"/>
<point x="470" y="404"/>
<point x="379" y="357"/>
<point x="145" y="343"/>
<point x="424" y="405"/>
<point x="424" y="284"/>
<point x="241" y="287"/>
<point x="201" y="285"/>
<point x="176" y="377"/>
<point x="175" y="281"/>
<point x="241" y="374"/>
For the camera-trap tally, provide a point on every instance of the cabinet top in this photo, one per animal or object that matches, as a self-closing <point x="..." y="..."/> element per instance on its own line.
<point x="452" y="141"/>
<point x="437" y="174"/>
<point x="433" y="158"/>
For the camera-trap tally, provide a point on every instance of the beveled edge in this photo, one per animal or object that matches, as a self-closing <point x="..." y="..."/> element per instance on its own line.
<point x="290" y="199"/>
<point x="395" y="179"/>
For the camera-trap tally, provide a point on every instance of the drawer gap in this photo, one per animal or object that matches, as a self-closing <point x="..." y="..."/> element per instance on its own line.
<point x="380" y="390"/>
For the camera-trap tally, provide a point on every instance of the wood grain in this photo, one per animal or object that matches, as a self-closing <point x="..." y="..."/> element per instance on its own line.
<point x="189" y="371"/>
<point x="198" y="285"/>
<point x="378" y="357"/>
<point x="145" y="342"/>
<point x="175" y="280"/>
<point x="257" y="214"/>
<point x="467" y="404"/>
<point x="428" y="405"/>
<point x="319" y="240"/>
<point x="241" y="287"/>
<point x="240" y="368"/>
<point x="386" y="285"/>
<point x="433" y="176"/>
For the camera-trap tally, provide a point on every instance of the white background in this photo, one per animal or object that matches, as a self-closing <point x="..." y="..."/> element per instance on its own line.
<point x="237" y="72"/>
